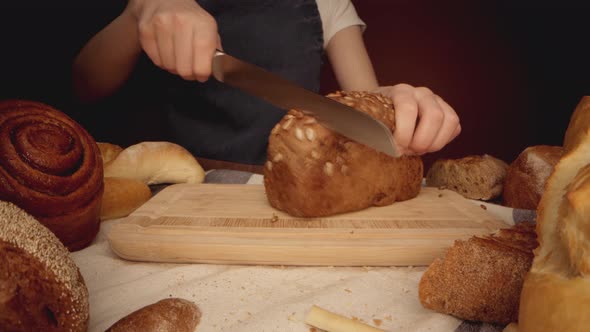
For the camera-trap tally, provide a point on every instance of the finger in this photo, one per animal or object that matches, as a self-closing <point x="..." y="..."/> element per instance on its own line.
<point x="165" y="41"/>
<point x="431" y="117"/>
<point x="448" y="127"/>
<point x="203" y="51"/>
<point x="183" y="49"/>
<point x="406" y="113"/>
<point x="147" y="39"/>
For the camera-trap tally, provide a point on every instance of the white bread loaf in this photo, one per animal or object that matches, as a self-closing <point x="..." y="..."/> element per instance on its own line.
<point x="556" y="292"/>
<point x="156" y="163"/>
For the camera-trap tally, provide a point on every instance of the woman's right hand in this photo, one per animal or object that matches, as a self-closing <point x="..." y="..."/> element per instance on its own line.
<point x="177" y="35"/>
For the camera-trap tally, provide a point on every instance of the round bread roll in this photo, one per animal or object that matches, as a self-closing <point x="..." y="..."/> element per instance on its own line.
<point x="474" y="177"/>
<point x="156" y="163"/>
<point x="312" y="171"/>
<point x="168" y="315"/>
<point x="51" y="167"/>
<point x="108" y="151"/>
<point x="41" y="289"/>
<point x="526" y="176"/>
<point x="556" y="292"/>
<point x="122" y="196"/>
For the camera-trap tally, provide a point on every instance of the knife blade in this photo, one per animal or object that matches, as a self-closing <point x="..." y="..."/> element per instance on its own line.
<point x="348" y="121"/>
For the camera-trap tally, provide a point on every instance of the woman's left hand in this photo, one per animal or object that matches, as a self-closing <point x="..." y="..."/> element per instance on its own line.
<point x="424" y="122"/>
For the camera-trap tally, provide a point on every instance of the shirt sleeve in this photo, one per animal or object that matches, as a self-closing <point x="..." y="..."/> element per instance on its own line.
<point x="337" y="15"/>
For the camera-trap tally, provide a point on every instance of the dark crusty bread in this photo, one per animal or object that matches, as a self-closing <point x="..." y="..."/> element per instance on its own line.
<point x="168" y="315"/>
<point x="41" y="288"/>
<point x="481" y="279"/>
<point x="527" y="175"/>
<point x="313" y="171"/>
<point x="474" y="177"/>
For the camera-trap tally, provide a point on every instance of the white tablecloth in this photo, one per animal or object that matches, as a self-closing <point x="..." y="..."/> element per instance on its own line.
<point x="256" y="298"/>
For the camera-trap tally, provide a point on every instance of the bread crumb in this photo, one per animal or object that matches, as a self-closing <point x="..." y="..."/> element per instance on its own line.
<point x="440" y="195"/>
<point x="274" y="218"/>
<point x="388" y="317"/>
<point x="312" y="329"/>
<point x="347" y="290"/>
<point x="483" y="207"/>
<point x="377" y="322"/>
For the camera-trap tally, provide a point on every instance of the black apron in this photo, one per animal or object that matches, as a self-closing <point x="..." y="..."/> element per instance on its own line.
<point x="215" y="121"/>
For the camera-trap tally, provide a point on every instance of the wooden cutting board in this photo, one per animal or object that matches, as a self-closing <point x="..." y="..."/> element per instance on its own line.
<point x="234" y="224"/>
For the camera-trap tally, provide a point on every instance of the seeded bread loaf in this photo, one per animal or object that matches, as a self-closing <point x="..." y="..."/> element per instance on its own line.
<point x="312" y="171"/>
<point x="526" y="176"/>
<point x="41" y="288"/>
<point x="480" y="279"/>
<point x="474" y="177"/>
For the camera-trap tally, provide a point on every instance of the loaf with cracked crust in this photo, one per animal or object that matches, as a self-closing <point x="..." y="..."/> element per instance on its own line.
<point x="480" y="279"/>
<point x="526" y="177"/>
<point x="41" y="288"/>
<point x="312" y="171"/>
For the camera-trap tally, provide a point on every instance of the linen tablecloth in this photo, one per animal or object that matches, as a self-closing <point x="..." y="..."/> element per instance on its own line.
<point x="264" y="298"/>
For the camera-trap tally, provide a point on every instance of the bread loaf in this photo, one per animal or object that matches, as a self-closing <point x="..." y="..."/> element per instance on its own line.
<point x="108" y="151"/>
<point x="481" y="279"/>
<point x="474" y="177"/>
<point x="312" y="171"/>
<point x="122" y="196"/>
<point x="156" y="163"/>
<point x="526" y="176"/>
<point x="51" y="167"/>
<point x="556" y="292"/>
<point x="168" y="315"/>
<point x="41" y="289"/>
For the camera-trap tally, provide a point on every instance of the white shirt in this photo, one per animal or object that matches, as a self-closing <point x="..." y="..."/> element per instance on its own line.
<point x="337" y="15"/>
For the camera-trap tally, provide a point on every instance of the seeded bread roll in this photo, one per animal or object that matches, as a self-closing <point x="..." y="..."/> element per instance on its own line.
<point x="474" y="177"/>
<point x="41" y="289"/>
<point x="168" y="315"/>
<point x="526" y="176"/>
<point x="312" y="171"/>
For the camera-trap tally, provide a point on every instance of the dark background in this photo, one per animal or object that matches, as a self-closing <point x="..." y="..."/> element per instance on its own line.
<point x="514" y="73"/>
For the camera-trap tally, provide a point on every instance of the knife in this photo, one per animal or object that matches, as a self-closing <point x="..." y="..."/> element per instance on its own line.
<point x="348" y="121"/>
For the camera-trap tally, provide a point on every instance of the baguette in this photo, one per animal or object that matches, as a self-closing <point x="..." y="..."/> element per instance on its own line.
<point x="556" y="292"/>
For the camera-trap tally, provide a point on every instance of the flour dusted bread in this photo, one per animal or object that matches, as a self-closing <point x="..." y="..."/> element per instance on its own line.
<point x="474" y="177"/>
<point x="313" y="171"/>
<point x="168" y="315"/>
<point x="526" y="176"/>
<point x="480" y="279"/>
<point x="41" y="289"/>
<point x="156" y="163"/>
<point x="556" y="292"/>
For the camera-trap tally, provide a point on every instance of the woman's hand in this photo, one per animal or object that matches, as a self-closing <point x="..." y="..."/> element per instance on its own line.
<point x="177" y="35"/>
<point x="424" y="121"/>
